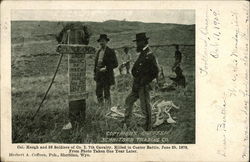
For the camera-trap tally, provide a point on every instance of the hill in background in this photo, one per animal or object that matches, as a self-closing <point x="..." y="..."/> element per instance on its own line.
<point x="120" y="32"/>
<point x="37" y="38"/>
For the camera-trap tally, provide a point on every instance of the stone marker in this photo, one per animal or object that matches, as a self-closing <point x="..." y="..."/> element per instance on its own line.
<point x="77" y="94"/>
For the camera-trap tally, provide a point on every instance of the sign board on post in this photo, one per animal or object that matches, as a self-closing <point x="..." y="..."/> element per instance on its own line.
<point x="77" y="78"/>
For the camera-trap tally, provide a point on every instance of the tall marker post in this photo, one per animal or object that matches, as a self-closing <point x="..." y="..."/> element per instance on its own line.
<point x="77" y="94"/>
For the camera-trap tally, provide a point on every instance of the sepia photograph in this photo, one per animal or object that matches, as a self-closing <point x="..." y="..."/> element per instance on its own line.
<point x="124" y="81"/>
<point x="107" y="77"/>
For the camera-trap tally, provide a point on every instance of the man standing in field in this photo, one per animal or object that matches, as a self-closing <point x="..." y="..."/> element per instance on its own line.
<point x="179" y="80"/>
<point x="125" y="61"/>
<point x="144" y="71"/>
<point x="105" y="62"/>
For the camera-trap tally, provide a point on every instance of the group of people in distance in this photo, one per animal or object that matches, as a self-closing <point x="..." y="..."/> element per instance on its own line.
<point x="145" y="69"/>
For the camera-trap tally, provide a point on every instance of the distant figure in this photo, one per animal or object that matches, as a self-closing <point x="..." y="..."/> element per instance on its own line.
<point x="74" y="33"/>
<point x="105" y="62"/>
<point x="178" y="57"/>
<point x="125" y="61"/>
<point x="179" y="80"/>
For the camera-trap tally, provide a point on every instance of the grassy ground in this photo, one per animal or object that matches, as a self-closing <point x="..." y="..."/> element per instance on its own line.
<point x="32" y="69"/>
<point x="27" y="93"/>
<point x="48" y="124"/>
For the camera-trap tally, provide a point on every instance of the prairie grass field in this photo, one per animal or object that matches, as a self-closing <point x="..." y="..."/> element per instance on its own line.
<point x="34" y="60"/>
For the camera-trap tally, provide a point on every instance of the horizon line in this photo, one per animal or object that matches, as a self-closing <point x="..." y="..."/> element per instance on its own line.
<point x="107" y="21"/>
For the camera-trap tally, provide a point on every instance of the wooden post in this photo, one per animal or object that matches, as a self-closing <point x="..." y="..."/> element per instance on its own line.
<point x="77" y="94"/>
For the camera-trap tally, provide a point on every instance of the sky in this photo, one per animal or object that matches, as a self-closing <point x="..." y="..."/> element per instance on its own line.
<point x="158" y="16"/>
